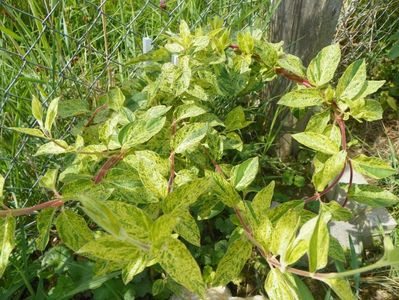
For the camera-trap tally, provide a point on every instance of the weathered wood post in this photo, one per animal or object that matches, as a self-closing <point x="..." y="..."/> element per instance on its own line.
<point x="305" y="26"/>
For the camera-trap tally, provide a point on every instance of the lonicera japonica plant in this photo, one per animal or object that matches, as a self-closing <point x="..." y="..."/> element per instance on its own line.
<point x="148" y="163"/>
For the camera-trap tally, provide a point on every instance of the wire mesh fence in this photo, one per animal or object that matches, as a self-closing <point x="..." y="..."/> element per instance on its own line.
<point x="365" y="28"/>
<point x="77" y="49"/>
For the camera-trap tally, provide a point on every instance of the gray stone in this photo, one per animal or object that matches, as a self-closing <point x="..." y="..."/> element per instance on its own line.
<point x="342" y="230"/>
<point x="367" y="222"/>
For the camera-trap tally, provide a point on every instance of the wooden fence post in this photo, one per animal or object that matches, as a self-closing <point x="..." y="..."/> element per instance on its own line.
<point x="305" y="26"/>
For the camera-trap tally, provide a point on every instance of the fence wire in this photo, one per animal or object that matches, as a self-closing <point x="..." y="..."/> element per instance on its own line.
<point x="365" y="28"/>
<point x="75" y="49"/>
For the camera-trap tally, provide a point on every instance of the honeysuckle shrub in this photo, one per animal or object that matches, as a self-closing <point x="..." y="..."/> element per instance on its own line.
<point x="149" y="163"/>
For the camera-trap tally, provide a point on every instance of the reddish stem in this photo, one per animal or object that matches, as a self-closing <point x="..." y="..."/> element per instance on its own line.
<point x="342" y="128"/>
<point x="327" y="189"/>
<point x="294" y="77"/>
<point x="98" y="109"/>
<point x="350" y="182"/>
<point x="30" y="210"/>
<point x="111" y="162"/>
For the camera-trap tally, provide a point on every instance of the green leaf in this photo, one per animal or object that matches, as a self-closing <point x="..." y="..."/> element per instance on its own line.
<point x="7" y="241"/>
<point x="233" y="261"/>
<point x="244" y="173"/>
<point x="110" y="248"/>
<point x="318" y="122"/>
<point x="156" y="112"/>
<point x="73" y="230"/>
<point x="333" y="132"/>
<point x="372" y="195"/>
<point x="352" y="81"/>
<point x="225" y="191"/>
<point x="235" y="119"/>
<point x="319" y="243"/>
<point x="292" y="64"/>
<point x="135" y="266"/>
<point x="277" y="212"/>
<point x="52" y="148"/>
<point x="263" y="231"/>
<point x="160" y="54"/>
<point x="370" y="87"/>
<point x="161" y="230"/>
<point x="44" y="221"/>
<point x="140" y="131"/>
<point x="51" y="114"/>
<point x="185" y="195"/>
<point x="317" y="141"/>
<point x="201" y="42"/>
<point x="302" y="98"/>
<point x="49" y="179"/>
<point x="37" y="110"/>
<point x="369" y="110"/>
<point x="280" y="286"/>
<point x="133" y="220"/>
<point x="284" y="232"/>
<point x="245" y="42"/>
<point x="152" y="179"/>
<point x="197" y="91"/>
<point x="188" y="229"/>
<point x="301" y="243"/>
<point x="394" y="52"/>
<point x="155" y="161"/>
<point x="303" y="290"/>
<point x="72" y="108"/>
<point x="99" y="212"/>
<point x="184" y="30"/>
<point x="189" y="136"/>
<point x="337" y="212"/>
<point x="336" y="252"/>
<point x="187" y="111"/>
<point x="373" y="167"/>
<point x="30" y="131"/>
<point x="341" y="287"/>
<point x="391" y="252"/>
<point x="233" y="141"/>
<point x="174" y="47"/>
<point x="322" y="68"/>
<point x="331" y="168"/>
<point x="178" y="262"/>
<point x="114" y="99"/>
<point x="183" y="82"/>
<point x="262" y="200"/>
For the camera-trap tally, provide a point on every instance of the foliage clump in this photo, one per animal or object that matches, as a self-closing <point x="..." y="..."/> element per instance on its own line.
<point x="150" y="163"/>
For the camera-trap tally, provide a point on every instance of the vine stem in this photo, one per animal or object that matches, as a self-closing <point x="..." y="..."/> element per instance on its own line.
<point x="97" y="110"/>
<point x="341" y="124"/>
<point x="269" y="258"/>
<point x="32" y="209"/>
<point x="294" y="77"/>
<point x="111" y="162"/>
